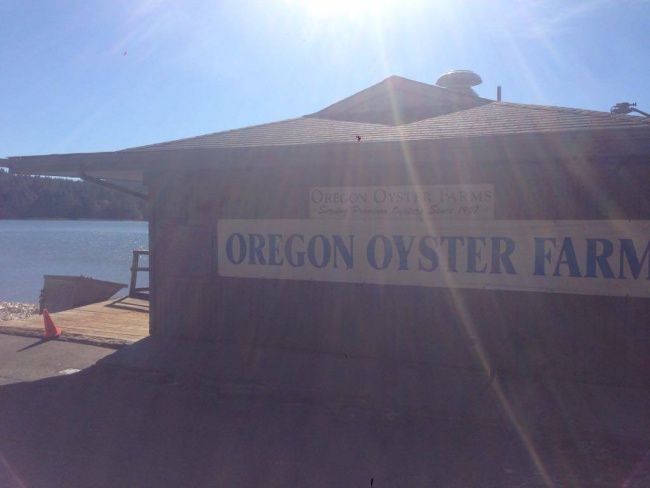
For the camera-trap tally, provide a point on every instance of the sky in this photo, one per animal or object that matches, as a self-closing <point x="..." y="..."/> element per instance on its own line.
<point x="88" y="76"/>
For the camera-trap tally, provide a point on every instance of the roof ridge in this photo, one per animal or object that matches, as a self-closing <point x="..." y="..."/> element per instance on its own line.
<point x="555" y="108"/>
<point x="373" y="124"/>
<point x="452" y="114"/>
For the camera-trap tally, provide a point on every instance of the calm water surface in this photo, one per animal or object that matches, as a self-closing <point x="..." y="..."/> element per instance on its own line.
<point x="30" y="249"/>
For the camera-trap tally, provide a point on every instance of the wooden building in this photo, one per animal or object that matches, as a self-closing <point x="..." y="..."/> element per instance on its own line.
<point x="408" y="222"/>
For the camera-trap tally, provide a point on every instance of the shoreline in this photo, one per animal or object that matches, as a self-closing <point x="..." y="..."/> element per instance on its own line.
<point x="17" y="310"/>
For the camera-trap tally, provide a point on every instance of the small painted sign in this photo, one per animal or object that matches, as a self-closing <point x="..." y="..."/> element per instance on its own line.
<point x="579" y="257"/>
<point x="432" y="202"/>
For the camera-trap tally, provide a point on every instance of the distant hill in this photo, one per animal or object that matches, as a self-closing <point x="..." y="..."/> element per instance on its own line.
<point x="38" y="197"/>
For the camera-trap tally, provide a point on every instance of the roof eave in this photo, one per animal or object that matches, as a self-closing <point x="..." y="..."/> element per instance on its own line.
<point x="132" y="165"/>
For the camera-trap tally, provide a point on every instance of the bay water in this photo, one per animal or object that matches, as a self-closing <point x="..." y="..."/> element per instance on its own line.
<point x="102" y="250"/>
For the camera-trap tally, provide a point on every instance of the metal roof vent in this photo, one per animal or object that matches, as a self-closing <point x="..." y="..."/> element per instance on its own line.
<point x="461" y="81"/>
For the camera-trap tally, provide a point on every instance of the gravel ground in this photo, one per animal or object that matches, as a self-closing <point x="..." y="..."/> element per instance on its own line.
<point x="16" y="310"/>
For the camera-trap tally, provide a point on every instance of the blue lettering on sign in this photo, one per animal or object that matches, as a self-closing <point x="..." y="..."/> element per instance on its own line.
<point x="296" y="260"/>
<point x="589" y="257"/>
<point x="568" y="258"/>
<point x="325" y="251"/>
<point x="427" y="252"/>
<point x="274" y="250"/>
<point x="542" y="254"/>
<point x="474" y="255"/>
<point x="270" y="250"/>
<point x="256" y="249"/>
<point x="451" y="250"/>
<point x="628" y="253"/>
<point x="387" y="251"/>
<point x="598" y="258"/>
<point x="403" y="250"/>
<point x="502" y="256"/>
<point x="346" y="253"/>
<point x="241" y="255"/>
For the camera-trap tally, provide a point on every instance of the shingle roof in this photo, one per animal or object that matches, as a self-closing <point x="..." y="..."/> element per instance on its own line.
<point x="302" y="130"/>
<point x="390" y="112"/>
<point x="398" y="101"/>
<point x="509" y="118"/>
<point x="494" y="118"/>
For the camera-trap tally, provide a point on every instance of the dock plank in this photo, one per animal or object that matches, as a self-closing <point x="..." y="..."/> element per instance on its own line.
<point x="113" y="323"/>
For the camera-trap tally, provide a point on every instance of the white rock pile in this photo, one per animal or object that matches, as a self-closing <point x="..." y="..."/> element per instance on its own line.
<point x="16" y="310"/>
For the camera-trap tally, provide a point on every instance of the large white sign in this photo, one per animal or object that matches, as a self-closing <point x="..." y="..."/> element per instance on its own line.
<point x="582" y="257"/>
<point x="433" y="202"/>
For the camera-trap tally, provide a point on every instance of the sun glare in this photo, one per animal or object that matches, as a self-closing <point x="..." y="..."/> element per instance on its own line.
<point x="326" y="9"/>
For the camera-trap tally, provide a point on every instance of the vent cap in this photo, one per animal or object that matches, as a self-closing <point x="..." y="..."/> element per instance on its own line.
<point x="460" y="81"/>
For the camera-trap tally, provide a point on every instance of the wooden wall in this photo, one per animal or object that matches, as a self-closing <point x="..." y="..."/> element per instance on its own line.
<point x="591" y="338"/>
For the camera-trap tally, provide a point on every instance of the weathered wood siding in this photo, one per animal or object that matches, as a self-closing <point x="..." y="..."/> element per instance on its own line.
<point x="593" y="338"/>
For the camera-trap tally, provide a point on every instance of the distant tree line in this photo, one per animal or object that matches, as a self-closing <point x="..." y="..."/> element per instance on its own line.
<point x="37" y="197"/>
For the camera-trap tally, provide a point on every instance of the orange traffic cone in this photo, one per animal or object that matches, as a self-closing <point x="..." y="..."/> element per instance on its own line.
<point x="51" y="330"/>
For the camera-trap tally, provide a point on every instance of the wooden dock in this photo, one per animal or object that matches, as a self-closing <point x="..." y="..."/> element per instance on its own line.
<point x="114" y="323"/>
